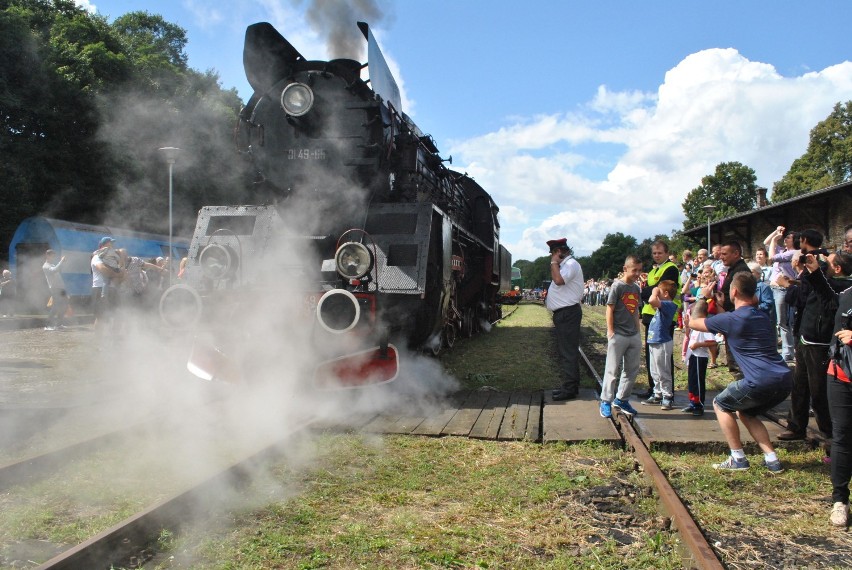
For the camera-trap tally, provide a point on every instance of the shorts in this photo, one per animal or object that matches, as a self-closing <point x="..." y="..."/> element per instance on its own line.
<point x="740" y="397"/>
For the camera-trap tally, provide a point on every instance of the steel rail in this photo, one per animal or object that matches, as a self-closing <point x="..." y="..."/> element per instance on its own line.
<point x="702" y="554"/>
<point x="30" y="469"/>
<point x="114" y="546"/>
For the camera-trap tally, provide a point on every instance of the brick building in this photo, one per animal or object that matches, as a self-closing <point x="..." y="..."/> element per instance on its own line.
<point x="828" y="211"/>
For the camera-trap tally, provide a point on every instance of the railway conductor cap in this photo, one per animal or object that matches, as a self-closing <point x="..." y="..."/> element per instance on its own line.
<point x="558" y="244"/>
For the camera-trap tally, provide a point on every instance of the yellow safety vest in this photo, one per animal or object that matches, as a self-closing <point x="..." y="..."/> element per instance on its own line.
<point x="654" y="277"/>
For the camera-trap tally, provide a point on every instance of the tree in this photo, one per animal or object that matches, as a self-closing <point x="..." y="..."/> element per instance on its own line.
<point x="152" y="42"/>
<point x="827" y="160"/>
<point x="608" y="260"/>
<point x="84" y="106"/>
<point x="731" y="188"/>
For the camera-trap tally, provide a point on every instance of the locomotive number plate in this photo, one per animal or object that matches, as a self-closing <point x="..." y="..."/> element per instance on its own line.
<point x="309" y="304"/>
<point x="306" y="154"/>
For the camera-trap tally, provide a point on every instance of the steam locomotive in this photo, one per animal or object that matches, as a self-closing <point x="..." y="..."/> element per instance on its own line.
<point x="365" y="229"/>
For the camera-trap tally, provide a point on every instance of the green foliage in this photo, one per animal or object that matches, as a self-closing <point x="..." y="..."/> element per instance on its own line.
<point x="731" y="188"/>
<point x="84" y="106"/>
<point x="151" y="41"/>
<point x="826" y="162"/>
<point x="608" y="260"/>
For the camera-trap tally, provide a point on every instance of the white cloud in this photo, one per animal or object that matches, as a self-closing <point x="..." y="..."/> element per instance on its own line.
<point x="204" y="13"/>
<point x="86" y="5"/>
<point x="714" y="106"/>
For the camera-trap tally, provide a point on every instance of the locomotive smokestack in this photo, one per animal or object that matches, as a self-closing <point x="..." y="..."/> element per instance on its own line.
<point x="334" y="20"/>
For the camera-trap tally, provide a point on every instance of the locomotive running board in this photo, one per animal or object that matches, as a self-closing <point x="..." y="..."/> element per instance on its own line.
<point x="358" y="369"/>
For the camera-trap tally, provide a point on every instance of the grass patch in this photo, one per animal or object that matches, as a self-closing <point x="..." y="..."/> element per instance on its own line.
<point x="759" y="520"/>
<point x="518" y="354"/>
<point x="451" y="503"/>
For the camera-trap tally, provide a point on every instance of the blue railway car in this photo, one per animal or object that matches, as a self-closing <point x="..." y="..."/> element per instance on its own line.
<point x="76" y="242"/>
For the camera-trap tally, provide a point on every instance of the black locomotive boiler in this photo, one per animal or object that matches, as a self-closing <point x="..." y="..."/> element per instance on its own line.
<point x="362" y="224"/>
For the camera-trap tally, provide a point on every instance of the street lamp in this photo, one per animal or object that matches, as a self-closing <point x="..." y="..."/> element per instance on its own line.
<point x="709" y="208"/>
<point x="171" y="155"/>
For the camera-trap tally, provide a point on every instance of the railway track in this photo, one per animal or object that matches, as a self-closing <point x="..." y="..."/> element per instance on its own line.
<point x="129" y="543"/>
<point x="699" y="553"/>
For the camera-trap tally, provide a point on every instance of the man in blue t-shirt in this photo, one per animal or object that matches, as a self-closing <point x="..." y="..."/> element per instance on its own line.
<point x="766" y="381"/>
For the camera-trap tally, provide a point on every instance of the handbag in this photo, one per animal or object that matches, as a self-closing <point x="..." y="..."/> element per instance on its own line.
<point x="841" y="353"/>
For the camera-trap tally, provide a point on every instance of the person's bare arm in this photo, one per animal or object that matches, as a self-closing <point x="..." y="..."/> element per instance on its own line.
<point x="610" y="321"/>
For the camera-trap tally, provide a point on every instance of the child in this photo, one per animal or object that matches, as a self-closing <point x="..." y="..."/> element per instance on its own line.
<point x="660" y="344"/>
<point x="698" y="353"/>
<point x="624" y="346"/>
<point x="765" y="297"/>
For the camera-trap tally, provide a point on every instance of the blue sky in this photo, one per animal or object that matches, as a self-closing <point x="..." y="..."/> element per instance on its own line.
<point x="580" y="118"/>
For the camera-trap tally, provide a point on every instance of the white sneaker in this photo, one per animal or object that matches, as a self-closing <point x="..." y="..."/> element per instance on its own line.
<point x="50" y="328"/>
<point x="839" y="514"/>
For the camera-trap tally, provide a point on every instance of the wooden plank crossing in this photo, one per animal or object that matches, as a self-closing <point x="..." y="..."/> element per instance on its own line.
<point x="462" y="421"/>
<point x="435" y="424"/>
<point x="501" y="416"/>
<point x="577" y="420"/>
<point x="516" y="421"/>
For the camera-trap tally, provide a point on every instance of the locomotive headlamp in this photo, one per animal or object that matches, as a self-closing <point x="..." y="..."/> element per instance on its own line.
<point x="218" y="261"/>
<point x="297" y="99"/>
<point x="353" y="260"/>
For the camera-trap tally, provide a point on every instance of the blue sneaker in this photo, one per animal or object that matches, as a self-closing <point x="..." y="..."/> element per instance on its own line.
<point x="606" y="410"/>
<point x="731" y="464"/>
<point x="773" y="466"/>
<point x="624" y="407"/>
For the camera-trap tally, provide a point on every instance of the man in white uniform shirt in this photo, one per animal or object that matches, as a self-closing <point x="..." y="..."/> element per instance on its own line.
<point x="564" y="300"/>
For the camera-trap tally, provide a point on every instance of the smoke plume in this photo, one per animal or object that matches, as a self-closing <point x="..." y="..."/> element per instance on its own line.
<point x="334" y="21"/>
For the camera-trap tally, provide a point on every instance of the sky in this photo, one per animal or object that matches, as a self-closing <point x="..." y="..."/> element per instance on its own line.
<point x="581" y="119"/>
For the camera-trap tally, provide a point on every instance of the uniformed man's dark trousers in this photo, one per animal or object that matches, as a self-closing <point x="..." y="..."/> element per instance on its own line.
<point x="567" y="324"/>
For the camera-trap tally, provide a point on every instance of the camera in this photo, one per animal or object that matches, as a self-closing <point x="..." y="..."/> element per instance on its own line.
<point x="820" y="251"/>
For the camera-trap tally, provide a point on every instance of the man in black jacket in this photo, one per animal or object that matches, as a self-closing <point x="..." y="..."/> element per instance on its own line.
<point x="838" y="377"/>
<point x="816" y="324"/>
<point x="731" y="255"/>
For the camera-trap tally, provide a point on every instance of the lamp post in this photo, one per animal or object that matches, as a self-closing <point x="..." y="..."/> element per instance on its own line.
<point x="709" y="208"/>
<point x="171" y="156"/>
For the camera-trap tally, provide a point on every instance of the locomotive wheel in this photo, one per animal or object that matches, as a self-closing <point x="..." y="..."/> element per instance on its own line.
<point x="450" y="335"/>
<point x="436" y="344"/>
<point x="467" y="323"/>
<point x="476" y="317"/>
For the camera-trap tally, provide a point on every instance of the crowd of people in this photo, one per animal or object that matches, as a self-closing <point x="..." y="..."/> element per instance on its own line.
<point x="120" y="283"/>
<point x="785" y="318"/>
